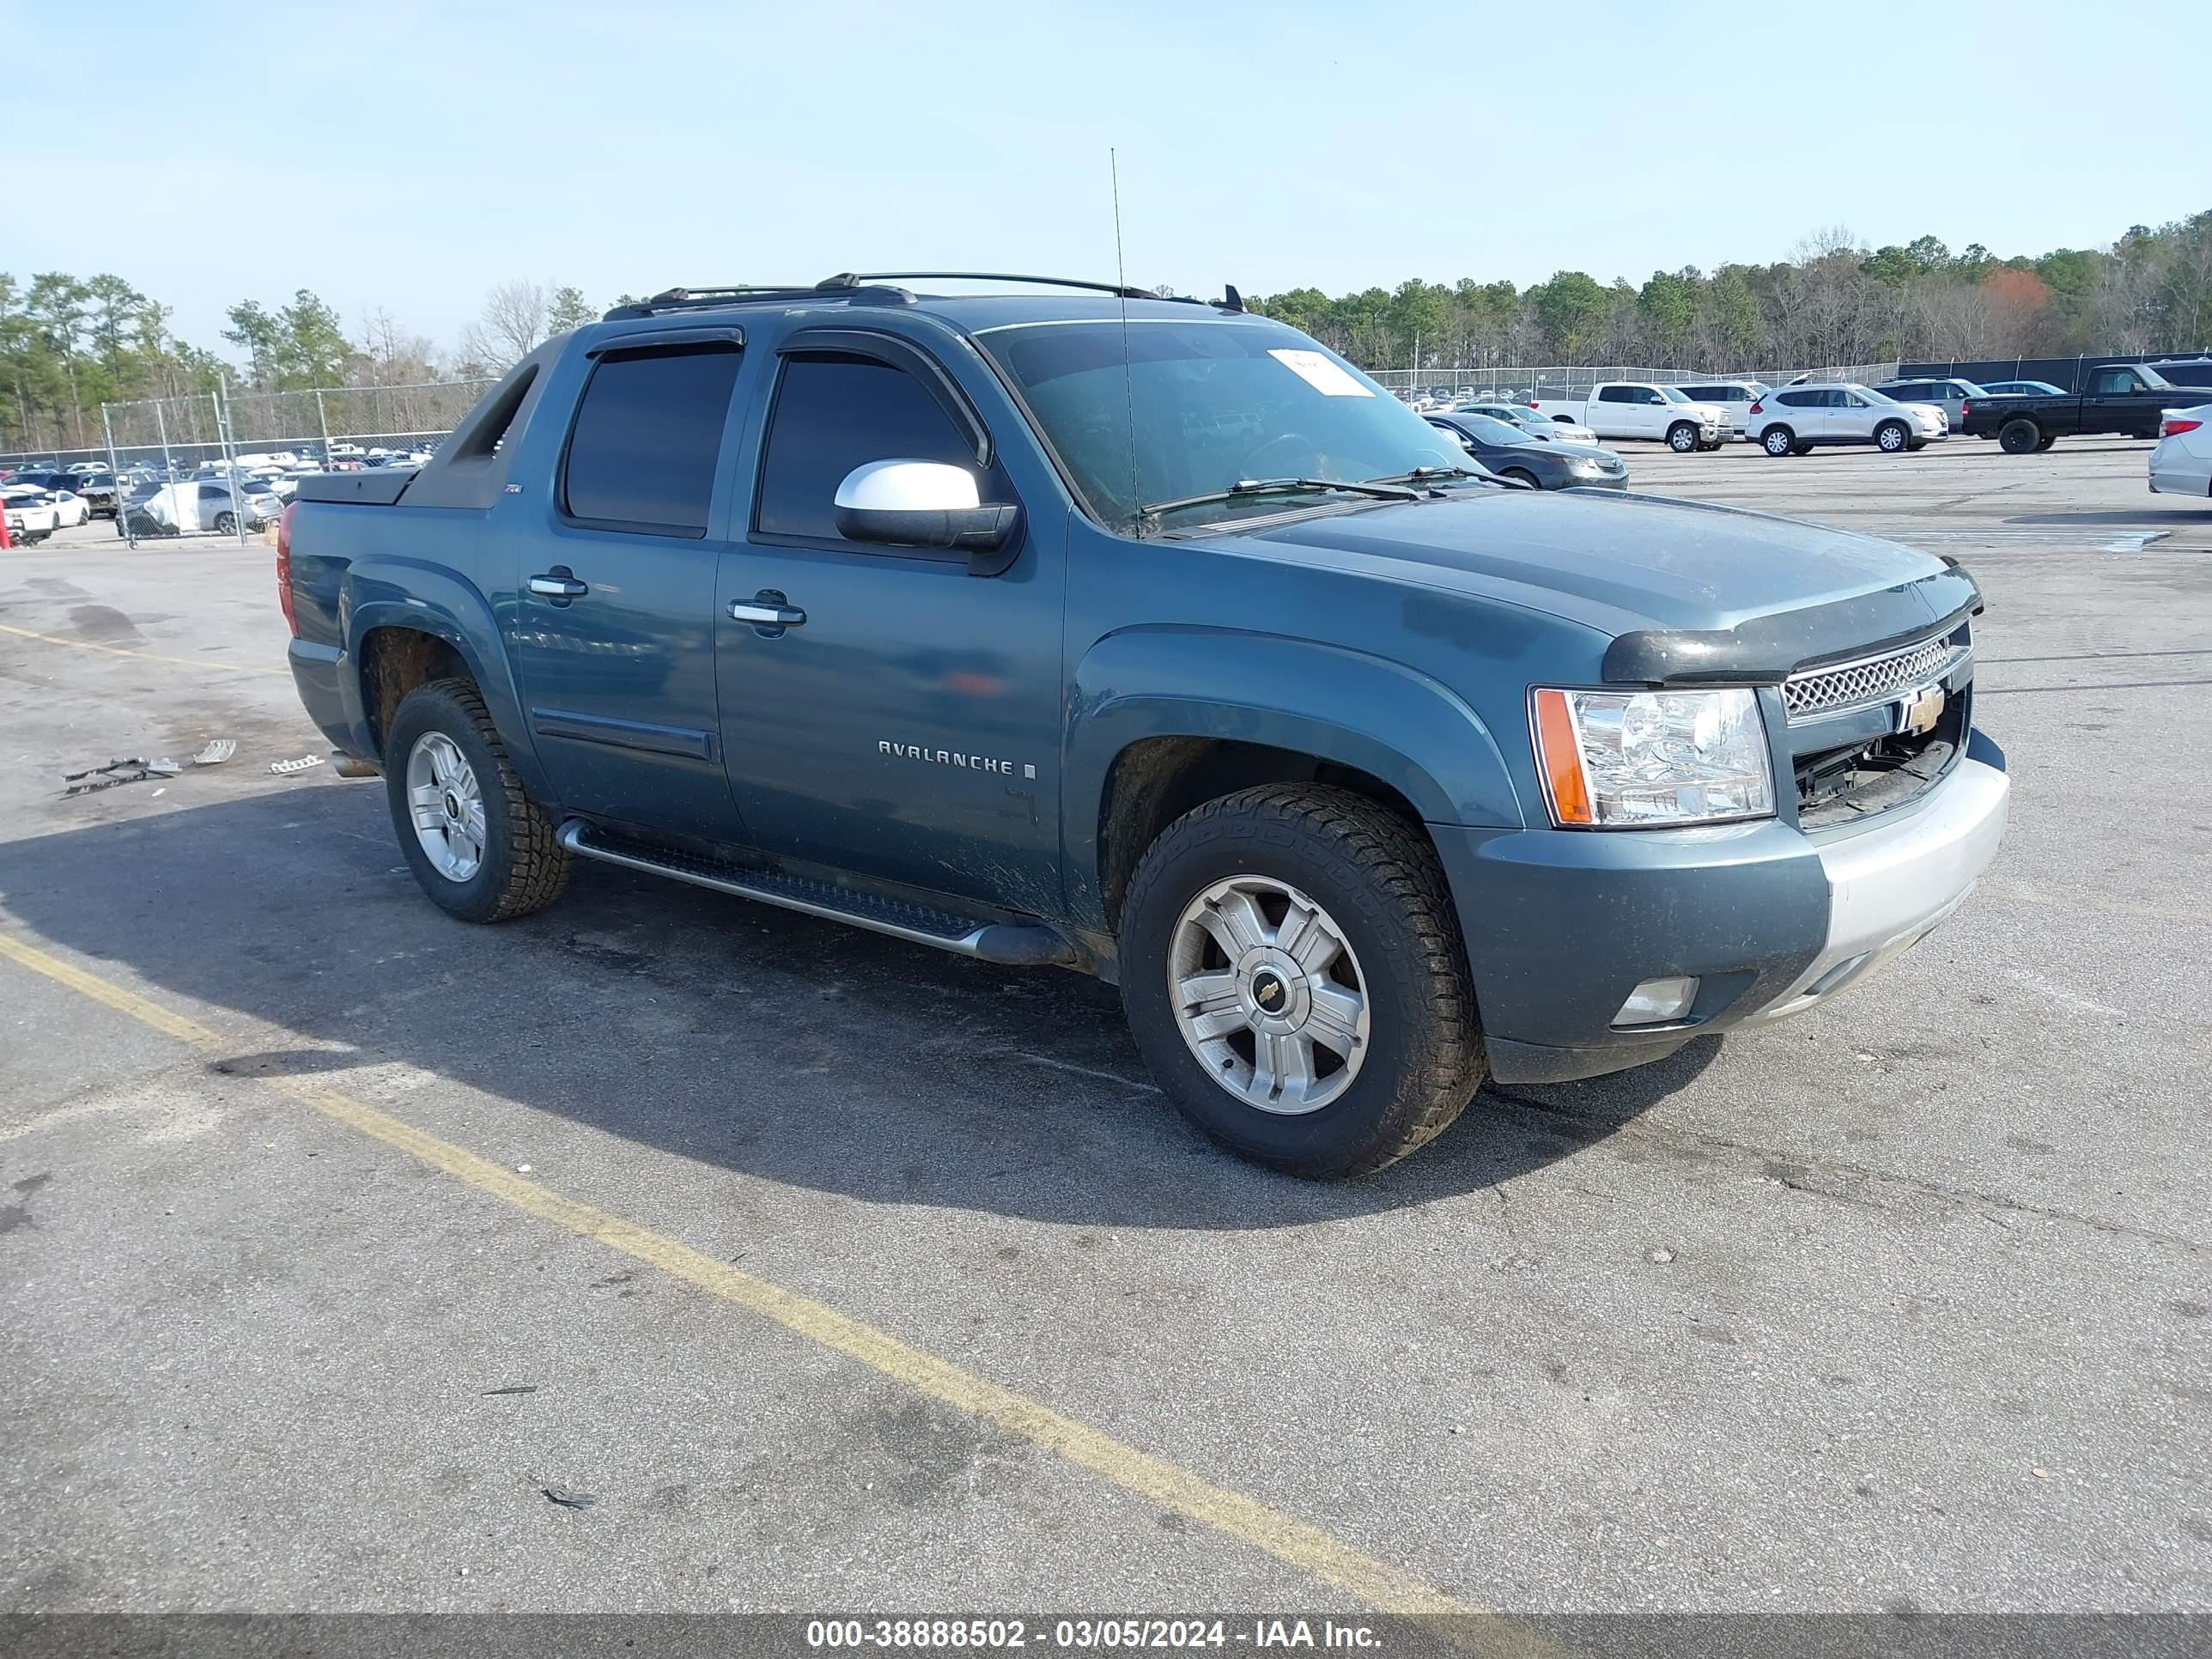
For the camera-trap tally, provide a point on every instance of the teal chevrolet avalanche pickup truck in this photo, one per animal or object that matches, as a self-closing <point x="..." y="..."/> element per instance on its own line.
<point x="1149" y="638"/>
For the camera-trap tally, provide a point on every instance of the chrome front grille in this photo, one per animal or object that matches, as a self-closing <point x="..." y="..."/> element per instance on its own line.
<point x="1821" y="691"/>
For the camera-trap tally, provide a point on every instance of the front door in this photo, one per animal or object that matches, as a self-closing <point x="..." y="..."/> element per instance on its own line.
<point x="904" y="724"/>
<point x="1849" y="416"/>
<point x="613" y="632"/>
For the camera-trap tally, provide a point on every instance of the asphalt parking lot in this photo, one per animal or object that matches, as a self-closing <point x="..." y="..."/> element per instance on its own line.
<point x="845" y="1275"/>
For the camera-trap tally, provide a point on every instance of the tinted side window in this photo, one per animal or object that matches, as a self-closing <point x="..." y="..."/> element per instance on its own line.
<point x="1799" y="399"/>
<point x="214" y="494"/>
<point x="833" y="413"/>
<point x="647" y="433"/>
<point x="1617" y="394"/>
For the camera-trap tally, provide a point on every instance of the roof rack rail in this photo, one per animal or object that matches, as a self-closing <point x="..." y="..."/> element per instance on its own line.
<point x="856" y="279"/>
<point x="680" y="299"/>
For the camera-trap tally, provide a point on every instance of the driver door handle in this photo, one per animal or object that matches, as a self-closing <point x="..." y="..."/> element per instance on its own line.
<point x="768" y="615"/>
<point x="561" y="586"/>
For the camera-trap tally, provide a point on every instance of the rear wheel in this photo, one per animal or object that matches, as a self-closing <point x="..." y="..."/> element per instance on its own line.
<point x="480" y="847"/>
<point x="226" y="524"/>
<point x="1892" y="437"/>
<point x="1293" y="975"/>
<point x="2044" y="442"/>
<point x="1682" y="437"/>
<point x="2022" y="437"/>
<point x="1778" y="440"/>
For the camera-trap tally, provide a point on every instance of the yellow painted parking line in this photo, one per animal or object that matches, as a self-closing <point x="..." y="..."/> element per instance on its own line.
<point x="1381" y="1584"/>
<point x="101" y="990"/>
<point x="144" y="656"/>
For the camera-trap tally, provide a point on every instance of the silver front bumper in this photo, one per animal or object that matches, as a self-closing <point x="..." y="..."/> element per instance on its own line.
<point x="1890" y="884"/>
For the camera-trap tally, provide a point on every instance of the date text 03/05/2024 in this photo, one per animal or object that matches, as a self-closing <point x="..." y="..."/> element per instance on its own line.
<point x="1085" y="1633"/>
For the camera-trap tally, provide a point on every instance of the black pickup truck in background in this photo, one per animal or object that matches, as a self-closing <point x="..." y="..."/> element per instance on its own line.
<point x="2126" y="398"/>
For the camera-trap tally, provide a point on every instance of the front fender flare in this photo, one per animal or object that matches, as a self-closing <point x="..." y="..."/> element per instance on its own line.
<point x="1364" y="712"/>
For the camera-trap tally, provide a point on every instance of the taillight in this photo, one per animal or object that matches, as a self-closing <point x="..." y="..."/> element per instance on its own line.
<point x="2175" y="428"/>
<point x="1757" y="408"/>
<point x="284" y="566"/>
<point x="1965" y="408"/>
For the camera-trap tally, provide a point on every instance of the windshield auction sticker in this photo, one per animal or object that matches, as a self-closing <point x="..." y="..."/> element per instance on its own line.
<point x="1319" y="372"/>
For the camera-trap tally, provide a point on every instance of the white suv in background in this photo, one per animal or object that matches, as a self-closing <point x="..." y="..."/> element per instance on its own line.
<point x="1798" y="418"/>
<point x="1737" y="397"/>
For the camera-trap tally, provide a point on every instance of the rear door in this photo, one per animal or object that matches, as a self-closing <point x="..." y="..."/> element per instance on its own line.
<point x="1804" y="411"/>
<point x="614" y="616"/>
<point x="1613" y="412"/>
<point x="906" y="725"/>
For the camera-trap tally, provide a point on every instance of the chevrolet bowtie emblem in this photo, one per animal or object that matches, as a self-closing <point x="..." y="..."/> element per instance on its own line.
<point x="1919" y="711"/>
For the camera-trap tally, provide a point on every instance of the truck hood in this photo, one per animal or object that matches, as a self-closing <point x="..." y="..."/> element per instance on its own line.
<point x="1627" y="564"/>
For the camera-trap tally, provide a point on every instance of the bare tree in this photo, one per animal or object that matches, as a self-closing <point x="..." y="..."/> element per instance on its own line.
<point x="510" y="325"/>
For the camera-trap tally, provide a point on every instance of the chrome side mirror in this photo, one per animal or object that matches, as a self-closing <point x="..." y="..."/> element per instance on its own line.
<point x="909" y="503"/>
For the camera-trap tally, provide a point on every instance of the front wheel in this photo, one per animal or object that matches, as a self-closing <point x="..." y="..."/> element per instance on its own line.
<point x="480" y="847"/>
<point x="2044" y="443"/>
<point x="1892" y="437"/>
<point x="1293" y="975"/>
<point x="1682" y="437"/>
<point x="1521" y="475"/>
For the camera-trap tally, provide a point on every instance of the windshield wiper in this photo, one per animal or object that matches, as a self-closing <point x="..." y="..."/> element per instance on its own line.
<point x="1382" y="490"/>
<point x="1421" y="475"/>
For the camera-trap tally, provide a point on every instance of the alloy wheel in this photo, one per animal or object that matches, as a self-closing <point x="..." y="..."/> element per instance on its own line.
<point x="447" y="806"/>
<point x="1268" y="994"/>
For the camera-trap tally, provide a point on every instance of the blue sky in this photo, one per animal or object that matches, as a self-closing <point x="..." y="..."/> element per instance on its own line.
<point x="411" y="155"/>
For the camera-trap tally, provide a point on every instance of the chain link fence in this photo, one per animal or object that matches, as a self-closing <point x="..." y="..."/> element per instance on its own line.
<point x="200" y="453"/>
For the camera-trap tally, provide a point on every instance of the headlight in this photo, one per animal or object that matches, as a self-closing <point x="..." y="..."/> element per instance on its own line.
<point x="1585" y="466"/>
<point x="1618" y="759"/>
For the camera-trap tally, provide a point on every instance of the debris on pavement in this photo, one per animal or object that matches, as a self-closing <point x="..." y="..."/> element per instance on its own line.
<point x="569" y="1500"/>
<point x="216" y="753"/>
<point x="136" y="769"/>
<point x="285" y="768"/>
<point x="518" y="1388"/>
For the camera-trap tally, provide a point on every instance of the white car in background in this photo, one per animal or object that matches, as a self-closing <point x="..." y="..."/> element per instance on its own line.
<point x="1799" y="419"/>
<point x="71" y="509"/>
<point x="1520" y="415"/>
<point x="2182" y="463"/>
<point x="30" y="515"/>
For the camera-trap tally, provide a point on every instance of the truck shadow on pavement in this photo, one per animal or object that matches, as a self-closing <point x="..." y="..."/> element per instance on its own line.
<point x="716" y="1030"/>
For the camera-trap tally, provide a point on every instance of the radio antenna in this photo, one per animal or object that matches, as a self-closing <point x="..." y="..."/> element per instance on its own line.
<point x="1128" y="380"/>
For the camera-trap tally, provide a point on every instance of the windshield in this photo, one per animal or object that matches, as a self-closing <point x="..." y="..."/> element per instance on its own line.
<point x="1674" y="394"/>
<point x="1203" y="405"/>
<point x="1489" y="431"/>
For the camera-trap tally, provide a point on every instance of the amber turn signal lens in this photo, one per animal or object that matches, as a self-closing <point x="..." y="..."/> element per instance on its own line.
<point x="1558" y="755"/>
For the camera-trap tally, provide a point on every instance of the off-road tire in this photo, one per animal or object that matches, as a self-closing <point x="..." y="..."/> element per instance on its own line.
<point x="524" y="867"/>
<point x="2020" y="437"/>
<point x="1381" y="884"/>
